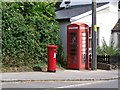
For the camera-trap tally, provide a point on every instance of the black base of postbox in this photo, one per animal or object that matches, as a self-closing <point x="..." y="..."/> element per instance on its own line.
<point x="51" y="71"/>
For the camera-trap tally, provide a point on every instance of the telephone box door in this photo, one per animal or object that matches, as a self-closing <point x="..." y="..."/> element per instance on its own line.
<point x="72" y="49"/>
<point x="84" y="49"/>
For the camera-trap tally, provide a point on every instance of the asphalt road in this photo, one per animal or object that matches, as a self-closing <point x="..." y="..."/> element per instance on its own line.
<point x="99" y="84"/>
<point x="61" y="84"/>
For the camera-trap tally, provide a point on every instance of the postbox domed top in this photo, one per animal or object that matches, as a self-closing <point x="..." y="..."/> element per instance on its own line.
<point x="51" y="46"/>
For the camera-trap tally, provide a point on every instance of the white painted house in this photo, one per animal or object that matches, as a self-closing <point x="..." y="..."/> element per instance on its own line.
<point x="115" y="34"/>
<point x="107" y="17"/>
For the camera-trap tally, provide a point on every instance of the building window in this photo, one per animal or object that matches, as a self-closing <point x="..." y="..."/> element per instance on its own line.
<point x="119" y="5"/>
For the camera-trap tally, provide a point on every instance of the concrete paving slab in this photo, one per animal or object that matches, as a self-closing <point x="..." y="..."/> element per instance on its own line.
<point x="61" y="75"/>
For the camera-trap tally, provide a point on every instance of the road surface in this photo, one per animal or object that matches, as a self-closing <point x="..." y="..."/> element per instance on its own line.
<point x="63" y="84"/>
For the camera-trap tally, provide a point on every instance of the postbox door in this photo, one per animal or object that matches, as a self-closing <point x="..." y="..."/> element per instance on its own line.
<point x="72" y="49"/>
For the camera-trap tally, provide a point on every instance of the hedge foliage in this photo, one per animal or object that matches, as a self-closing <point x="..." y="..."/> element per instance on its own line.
<point x="27" y="27"/>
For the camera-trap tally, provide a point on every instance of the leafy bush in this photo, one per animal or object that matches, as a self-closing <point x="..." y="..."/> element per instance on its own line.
<point x="27" y="27"/>
<point x="61" y="59"/>
<point x="108" y="50"/>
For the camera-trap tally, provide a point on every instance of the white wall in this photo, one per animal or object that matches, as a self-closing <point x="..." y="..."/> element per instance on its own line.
<point x="114" y="37"/>
<point x="106" y="20"/>
<point x="114" y="6"/>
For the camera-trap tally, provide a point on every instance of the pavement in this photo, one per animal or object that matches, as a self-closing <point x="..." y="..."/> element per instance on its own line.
<point x="60" y="75"/>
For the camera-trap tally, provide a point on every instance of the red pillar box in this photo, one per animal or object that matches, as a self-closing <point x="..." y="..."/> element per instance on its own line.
<point x="51" y="58"/>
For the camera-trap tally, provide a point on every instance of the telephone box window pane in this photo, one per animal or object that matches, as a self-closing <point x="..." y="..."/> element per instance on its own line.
<point x="84" y="34"/>
<point x="73" y="43"/>
<point x="84" y="50"/>
<point x="73" y="59"/>
<point x="84" y="57"/>
<point x="83" y="38"/>
<point x="84" y="42"/>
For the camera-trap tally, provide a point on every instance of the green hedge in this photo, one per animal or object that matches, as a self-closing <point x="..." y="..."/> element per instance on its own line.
<point x="27" y="27"/>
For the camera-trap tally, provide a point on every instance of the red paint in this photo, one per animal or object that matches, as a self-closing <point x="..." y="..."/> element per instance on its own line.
<point x="51" y="58"/>
<point x="76" y="49"/>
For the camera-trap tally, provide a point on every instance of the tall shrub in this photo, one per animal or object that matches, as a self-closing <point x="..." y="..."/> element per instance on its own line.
<point x="27" y="27"/>
<point x="108" y="49"/>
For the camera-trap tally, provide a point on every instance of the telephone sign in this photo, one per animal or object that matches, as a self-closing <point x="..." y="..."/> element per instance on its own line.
<point x="73" y="28"/>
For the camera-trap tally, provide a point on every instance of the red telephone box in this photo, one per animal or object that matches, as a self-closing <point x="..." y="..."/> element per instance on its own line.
<point x="78" y="46"/>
